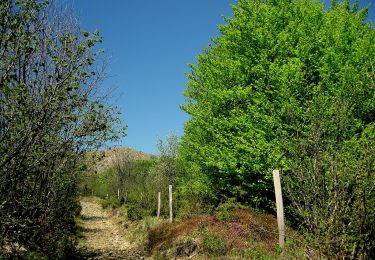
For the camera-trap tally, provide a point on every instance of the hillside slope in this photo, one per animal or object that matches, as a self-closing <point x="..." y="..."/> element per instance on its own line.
<point x="99" y="161"/>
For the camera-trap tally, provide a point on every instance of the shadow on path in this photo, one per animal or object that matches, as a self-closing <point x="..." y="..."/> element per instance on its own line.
<point x="92" y="218"/>
<point x="133" y="254"/>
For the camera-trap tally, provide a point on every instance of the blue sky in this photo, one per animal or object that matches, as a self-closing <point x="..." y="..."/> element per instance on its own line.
<point x="149" y="44"/>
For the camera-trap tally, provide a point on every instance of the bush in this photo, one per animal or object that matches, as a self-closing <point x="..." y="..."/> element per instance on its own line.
<point x="224" y="211"/>
<point x="111" y="202"/>
<point x="340" y="214"/>
<point x="66" y="247"/>
<point x="135" y="212"/>
<point x="214" y="245"/>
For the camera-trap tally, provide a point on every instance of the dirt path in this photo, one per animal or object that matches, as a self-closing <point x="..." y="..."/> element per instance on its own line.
<point x="103" y="236"/>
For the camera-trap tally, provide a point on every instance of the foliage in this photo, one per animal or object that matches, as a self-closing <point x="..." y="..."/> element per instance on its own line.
<point x="104" y="184"/>
<point x="168" y="154"/>
<point x="343" y="181"/>
<point x="137" y="231"/>
<point x="136" y="212"/>
<point x="214" y="245"/>
<point x="137" y="182"/>
<point x="194" y="194"/>
<point x="240" y="235"/>
<point x="138" y="187"/>
<point x="290" y="85"/>
<point x="110" y="202"/>
<point x="50" y="111"/>
<point x="224" y="210"/>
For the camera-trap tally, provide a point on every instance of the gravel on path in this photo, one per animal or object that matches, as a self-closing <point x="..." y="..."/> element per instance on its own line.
<point x="104" y="238"/>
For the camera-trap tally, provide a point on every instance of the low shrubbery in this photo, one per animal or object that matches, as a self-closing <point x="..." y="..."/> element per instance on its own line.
<point x="111" y="203"/>
<point x="242" y="233"/>
<point x="213" y="245"/>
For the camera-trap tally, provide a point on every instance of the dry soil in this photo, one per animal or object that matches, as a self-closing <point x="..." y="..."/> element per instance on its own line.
<point x="103" y="237"/>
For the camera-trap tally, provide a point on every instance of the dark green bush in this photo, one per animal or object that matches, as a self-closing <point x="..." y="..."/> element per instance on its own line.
<point x="224" y="210"/>
<point x="214" y="245"/>
<point x="111" y="202"/>
<point x="136" y="212"/>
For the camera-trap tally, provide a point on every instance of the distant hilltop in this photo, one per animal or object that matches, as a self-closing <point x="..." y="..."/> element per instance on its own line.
<point x="102" y="160"/>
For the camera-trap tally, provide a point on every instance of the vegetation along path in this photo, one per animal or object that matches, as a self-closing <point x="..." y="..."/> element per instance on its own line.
<point x="103" y="236"/>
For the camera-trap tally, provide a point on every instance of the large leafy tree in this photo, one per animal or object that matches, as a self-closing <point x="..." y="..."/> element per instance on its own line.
<point x="51" y="111"/>
<point x="290" y="84"/>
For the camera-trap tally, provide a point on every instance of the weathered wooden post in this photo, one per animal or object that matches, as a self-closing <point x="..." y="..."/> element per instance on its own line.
<point x="279" y="206"/>
<point x="118" y="194"/>
<point x="159" y="204"/>
<point x="170" y="204"/>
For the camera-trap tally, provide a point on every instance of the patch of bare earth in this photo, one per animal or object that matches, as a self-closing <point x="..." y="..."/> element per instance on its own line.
<point x="104" y="238"/>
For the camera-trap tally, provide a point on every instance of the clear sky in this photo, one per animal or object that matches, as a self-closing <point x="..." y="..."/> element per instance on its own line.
<point x="150" y="43"/>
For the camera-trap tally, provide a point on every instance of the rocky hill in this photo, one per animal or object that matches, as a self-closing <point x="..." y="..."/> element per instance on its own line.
<point x="101" y="160"/>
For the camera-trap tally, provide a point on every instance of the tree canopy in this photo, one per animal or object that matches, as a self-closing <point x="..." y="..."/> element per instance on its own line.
<point x="289" y="85"/>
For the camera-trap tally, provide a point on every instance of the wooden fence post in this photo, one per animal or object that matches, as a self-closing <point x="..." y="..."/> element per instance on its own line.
<point x="170" y="204"/>
<point x="159" y="204"/>
<point x="279" y="206"/>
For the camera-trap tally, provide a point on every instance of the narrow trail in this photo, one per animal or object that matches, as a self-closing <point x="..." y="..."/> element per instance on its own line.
<point x="104" y="238"/>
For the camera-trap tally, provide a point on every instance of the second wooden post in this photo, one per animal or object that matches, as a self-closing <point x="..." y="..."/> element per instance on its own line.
<point x="170" y="204"/>
<point x="159" y="204"/>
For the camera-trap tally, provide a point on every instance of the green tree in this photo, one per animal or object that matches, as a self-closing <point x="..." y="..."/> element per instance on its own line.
<point x="50" y="112"/>
<point x="290" y="84"/>
<point x="168" y="150"/>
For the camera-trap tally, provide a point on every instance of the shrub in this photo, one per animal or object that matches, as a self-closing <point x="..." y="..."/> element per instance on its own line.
<point x="214" y="245"/>
<point x="135" y="212"/>
<point x="224" y="211"/>
<point x="111" y="202"/>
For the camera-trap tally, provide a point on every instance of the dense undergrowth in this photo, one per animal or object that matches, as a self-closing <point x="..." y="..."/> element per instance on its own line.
<point x="231" y="231"/>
